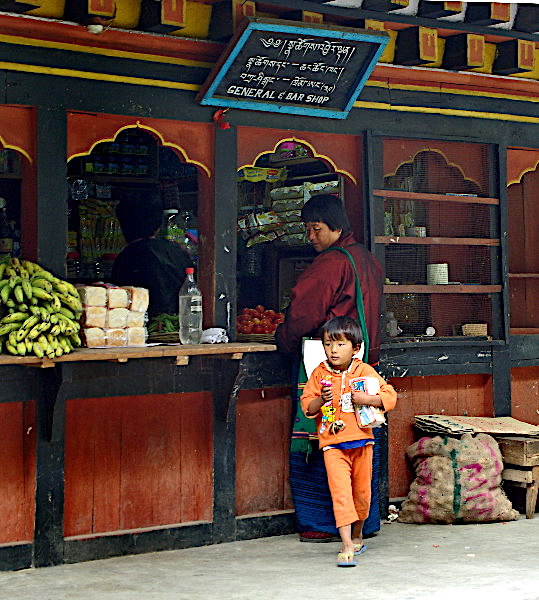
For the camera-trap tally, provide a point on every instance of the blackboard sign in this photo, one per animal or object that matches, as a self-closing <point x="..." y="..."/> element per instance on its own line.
<point x="298" y="68"/>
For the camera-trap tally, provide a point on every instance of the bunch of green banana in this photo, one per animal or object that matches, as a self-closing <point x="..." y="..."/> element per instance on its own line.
<point x="39" y="313"/>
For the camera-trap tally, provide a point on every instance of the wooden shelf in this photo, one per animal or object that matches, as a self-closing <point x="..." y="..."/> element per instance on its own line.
<point x="234" y="350"/>
<point x="427" y="241"/>
<point x="305" y="160"/>
<point x="402" y="195"/>
<point x="442" y="289"/>
<point x="115" y="178"/>
<point x="524" y="330"/>
<point x="313" y="176"/>
<point x="523" y="275"/>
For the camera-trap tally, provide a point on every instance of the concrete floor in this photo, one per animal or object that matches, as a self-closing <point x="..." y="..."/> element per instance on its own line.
<point x="403" y="562"/>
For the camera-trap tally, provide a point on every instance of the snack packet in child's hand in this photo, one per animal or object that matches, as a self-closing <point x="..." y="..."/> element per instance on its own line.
<point x="368" y="416"/>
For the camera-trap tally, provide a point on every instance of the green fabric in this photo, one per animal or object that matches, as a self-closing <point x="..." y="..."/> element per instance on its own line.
<point x="359" y="301"/>
<point x="304" y="430"/>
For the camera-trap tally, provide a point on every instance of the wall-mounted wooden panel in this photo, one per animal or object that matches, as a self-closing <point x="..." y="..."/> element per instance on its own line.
<point x="451" y="395"/>
<point x="17" y="465"/>
<point x="263" y="425"/>
<point x="525" y="394"/>
<point x="138" y="461"/>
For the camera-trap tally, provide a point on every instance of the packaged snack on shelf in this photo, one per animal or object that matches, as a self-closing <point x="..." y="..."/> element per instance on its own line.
<point x="281" y="193"/>
<point x="288" y="204"/>
<point x="290" y="216"/>
<point x="324" y="187"/>
<point x="92" y="295"/>
<point x="259" y="238"/>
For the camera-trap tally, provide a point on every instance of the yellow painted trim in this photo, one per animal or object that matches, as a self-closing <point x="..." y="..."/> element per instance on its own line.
<point x="446" y="90"/>
<point x="10" y="66"/>
<point x="523" y="173"/>
<point x="447" y="162"/>
<point x="6" y="146"/>
<point x="447" y="111"/>
<point x="313" y="150"/>
<point x="139" y="125"/>
<point x="22" y="41"/>
<point x="97" y="76"/>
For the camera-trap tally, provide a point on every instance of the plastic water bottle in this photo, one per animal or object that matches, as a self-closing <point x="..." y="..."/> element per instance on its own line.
<point x="190" y="310"/>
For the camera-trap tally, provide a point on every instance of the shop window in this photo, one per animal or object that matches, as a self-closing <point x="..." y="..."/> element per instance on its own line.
<point x="523" y="238"/>
<point x="10" y="203"/>
<point x="436" y="231"/>
<point x="272" y="247"/>
<point x="133" y="165"/>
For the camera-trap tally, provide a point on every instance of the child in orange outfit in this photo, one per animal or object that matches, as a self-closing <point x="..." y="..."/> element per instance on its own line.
<point x="347" y="446"/>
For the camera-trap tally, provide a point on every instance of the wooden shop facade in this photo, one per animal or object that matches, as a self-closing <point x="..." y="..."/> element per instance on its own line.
<point x="437" y="159"/>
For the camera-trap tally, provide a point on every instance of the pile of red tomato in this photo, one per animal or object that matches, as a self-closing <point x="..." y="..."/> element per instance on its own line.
<point x="258" y="320"/>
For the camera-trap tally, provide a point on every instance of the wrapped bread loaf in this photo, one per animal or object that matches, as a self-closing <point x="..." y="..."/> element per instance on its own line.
<point x="117" y="318"/>
<point x="117" y="297"/>
<point x="94" y="337"/>
<point x="136" y="336"/>
<point x="116" y="336"/>
<point x="136" y="319"/>
<point x="139" y="298"/>
<point x="92" y="295"/>
<point x="94" y="316"/>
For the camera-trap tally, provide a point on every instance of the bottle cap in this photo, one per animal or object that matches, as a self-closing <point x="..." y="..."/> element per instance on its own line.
<point x="189" y="270"/>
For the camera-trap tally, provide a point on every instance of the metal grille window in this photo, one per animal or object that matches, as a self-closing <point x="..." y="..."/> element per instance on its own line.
<point x="436" y="231"/>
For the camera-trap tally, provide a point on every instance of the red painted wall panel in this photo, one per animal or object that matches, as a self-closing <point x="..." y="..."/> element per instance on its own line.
<point x="451" y="395"/>
<point x="262" y="446"/>
<point x="525" y="394"/>
<point x="138" y="461"/>
<point x="17" y="466"/>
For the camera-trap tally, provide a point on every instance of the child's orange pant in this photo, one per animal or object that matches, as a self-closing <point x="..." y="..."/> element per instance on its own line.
<point x="349" y="477"/>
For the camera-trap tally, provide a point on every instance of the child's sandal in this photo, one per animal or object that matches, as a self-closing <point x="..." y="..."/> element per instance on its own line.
<point x="346" y="559"/>
<point x="359" y="549"/>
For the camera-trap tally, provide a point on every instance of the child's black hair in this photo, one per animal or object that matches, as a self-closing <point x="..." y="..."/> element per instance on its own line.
<point x="342" y="327"/>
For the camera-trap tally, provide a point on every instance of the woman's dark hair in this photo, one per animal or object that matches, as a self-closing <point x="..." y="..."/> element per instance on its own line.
<point x="327" y="209"/>
<point x="140" y="217"/>
<point x="342" y="327"/>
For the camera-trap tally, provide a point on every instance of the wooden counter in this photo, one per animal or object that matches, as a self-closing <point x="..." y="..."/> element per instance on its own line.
<point x="182" y="353"/>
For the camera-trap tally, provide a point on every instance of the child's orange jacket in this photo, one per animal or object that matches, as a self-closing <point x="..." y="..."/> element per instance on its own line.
<point x="342" y="401"/>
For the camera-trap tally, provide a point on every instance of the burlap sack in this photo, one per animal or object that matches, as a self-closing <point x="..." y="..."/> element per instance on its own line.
<point x="456" y="481"/>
